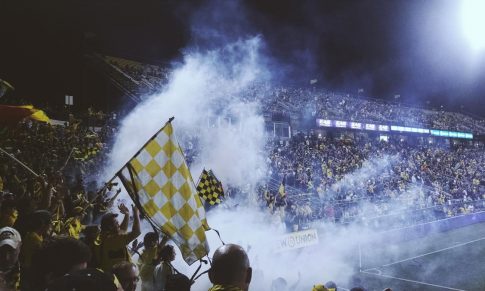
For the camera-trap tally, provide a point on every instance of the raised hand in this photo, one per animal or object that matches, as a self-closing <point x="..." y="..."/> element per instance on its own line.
<point x="135" y="210"/>
<point x="123" y="209"/>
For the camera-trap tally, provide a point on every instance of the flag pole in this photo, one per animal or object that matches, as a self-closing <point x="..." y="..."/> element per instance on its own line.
<point x="19" y="162"/>
<point x="200" y="176"/>
<point x="68" y="158"/>
<point x="149" y="140"/>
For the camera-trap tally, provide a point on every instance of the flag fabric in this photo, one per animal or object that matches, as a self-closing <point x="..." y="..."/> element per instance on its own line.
<point x="11" y="115"/>
<point x="159" y="181"/>
<point x="210" y="188"/>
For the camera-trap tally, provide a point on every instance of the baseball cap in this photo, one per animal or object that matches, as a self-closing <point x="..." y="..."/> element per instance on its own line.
<point x="319" y="287"/>
<point x="10" y="236"/>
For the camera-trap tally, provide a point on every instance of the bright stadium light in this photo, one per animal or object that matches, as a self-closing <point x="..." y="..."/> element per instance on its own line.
<point x="472" y="13"/>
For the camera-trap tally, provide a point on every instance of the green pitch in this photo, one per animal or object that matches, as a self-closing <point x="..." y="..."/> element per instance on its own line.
<point x="453" y="260"/>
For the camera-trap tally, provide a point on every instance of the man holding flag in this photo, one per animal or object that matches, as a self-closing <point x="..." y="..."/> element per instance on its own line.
<point x="158" y="180"/>
<point x="115" y="238"/>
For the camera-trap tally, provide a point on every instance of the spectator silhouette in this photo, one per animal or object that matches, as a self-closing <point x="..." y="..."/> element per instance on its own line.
<point x="230" y="269"/>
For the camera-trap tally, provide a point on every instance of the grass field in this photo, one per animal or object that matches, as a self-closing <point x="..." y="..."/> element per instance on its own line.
<point x="453" y="260"/>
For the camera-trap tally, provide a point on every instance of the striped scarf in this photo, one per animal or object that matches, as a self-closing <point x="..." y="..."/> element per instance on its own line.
<point x="225" y="288"/>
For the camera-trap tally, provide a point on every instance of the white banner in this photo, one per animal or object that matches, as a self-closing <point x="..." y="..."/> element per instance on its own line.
<point x="296" y="240"/>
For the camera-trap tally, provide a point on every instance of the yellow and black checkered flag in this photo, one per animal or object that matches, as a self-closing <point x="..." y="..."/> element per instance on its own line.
<point x="210" y="188"/>
<point x="160" y="183"/>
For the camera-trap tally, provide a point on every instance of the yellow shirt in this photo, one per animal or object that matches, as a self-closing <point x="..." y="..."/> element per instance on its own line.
<point x="112" y="250"/>
<point x="75" y="228"/>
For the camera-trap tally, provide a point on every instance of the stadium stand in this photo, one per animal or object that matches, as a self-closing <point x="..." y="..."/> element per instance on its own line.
<point x="308" y="171"/>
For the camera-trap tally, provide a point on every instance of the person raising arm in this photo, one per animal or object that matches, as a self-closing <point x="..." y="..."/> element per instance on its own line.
<point x="113" y="248"/>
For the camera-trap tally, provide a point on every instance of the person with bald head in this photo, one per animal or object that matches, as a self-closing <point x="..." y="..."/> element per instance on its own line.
<point x="230" y="269"/>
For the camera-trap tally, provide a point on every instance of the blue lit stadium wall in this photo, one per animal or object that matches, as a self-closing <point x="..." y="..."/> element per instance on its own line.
<point x="383" y="128"/>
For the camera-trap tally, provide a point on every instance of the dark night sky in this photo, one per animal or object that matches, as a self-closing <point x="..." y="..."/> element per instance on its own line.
<point x="409" y="47"/>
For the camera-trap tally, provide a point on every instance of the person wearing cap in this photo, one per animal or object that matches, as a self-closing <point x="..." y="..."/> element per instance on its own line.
<point x="114" y="238"/>
<point x="10" y="242"/>
<point x="319" y="287"/>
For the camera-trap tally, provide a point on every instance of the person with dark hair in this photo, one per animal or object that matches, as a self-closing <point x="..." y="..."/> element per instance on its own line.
<point x="127" y="274"/>
<point x="331" y="286"/>
<point x="8" y="213"/>
<point x="40" y="223"/>
<point x="90" y="235"/>
<point x="10" y="242"/>
<point x="148" y="260"/>
<point x="57" y="257"/>
<point x="85" y="280"/>
<point x="115" y="238"/>
<point x="165" y="268"/>
<point x="358" y="289"/>
<point x="230" y="269"/>
<point x="178" y="282"/>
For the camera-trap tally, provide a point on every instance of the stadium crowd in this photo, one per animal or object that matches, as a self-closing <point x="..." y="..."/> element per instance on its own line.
<point x="57" y="232"/>
<point x="307" y="101"/>
<point x="356" y="178"/>
<point x="317" y="103"/>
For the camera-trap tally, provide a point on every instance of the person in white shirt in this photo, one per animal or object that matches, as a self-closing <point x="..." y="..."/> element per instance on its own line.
<point x="164" y="269"/>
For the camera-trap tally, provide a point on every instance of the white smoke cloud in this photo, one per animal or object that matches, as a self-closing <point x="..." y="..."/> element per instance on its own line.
<point x="333" y="259"/>
<point x="203" y="93"/>
<point x="371" y="168"/>
<point x="207" y="86"/>
<point x="213" y="84"/>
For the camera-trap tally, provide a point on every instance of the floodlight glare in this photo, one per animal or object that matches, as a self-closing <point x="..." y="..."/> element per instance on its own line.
<point x="473" y="18"/>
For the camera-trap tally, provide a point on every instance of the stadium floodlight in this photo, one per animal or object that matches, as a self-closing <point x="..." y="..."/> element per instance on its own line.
<point x="473" y="21"/>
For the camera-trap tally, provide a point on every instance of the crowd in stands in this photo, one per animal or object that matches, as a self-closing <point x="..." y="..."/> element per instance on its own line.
<point x="415" y="179"/>
<point x="318" y="103"/>
<point x="143" y="75"/>
<point x="57" y="232"/>
<point x="303" y="102"/>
